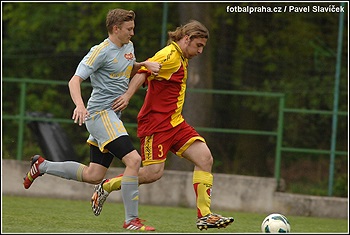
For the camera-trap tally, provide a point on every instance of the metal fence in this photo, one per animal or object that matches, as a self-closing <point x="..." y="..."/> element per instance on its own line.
<point x="22" y="117"/>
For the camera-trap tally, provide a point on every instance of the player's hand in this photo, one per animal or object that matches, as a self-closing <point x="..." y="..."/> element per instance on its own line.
<point x="120" y="103"/>
<point x="80" y="113"/>
<point x="154" y="67"/>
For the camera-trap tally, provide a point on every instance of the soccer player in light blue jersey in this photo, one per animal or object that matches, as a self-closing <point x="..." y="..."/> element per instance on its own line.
<point x="110" y="66"/>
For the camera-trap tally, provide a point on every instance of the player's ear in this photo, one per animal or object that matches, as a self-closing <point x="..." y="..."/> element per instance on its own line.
<point x="187" y="39"/>
<point x="115" y="28"/>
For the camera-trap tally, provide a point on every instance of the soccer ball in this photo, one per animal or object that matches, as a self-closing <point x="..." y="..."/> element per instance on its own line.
<point x="275" y="223"/>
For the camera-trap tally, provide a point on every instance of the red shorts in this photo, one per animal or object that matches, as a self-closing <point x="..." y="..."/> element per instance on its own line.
<point x="154" y="148"/>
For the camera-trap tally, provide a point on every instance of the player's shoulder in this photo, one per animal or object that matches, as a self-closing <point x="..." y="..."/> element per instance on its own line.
<point x="101" y="48"/>
<point x="104" y="44"/>
<point x="167" y="54"/>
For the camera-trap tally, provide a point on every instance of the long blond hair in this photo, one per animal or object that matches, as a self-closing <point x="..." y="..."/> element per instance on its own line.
<point x="193" y="29"/>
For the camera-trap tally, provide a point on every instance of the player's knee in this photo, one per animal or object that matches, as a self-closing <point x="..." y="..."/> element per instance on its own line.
<point x="92" y="175"/>
<point x="151" y="173"/>
<point x="132" y="159"/>
<point x="92" y="179"/>
<point x="205" y="162"/>
<point x="209" y="160"/>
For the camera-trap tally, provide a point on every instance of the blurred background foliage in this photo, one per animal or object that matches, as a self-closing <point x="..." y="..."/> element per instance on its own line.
<point x="289" y="53"/>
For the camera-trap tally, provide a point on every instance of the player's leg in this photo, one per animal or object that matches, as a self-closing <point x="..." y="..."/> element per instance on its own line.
<point x="153" y="167"/>
<point x="93" y="173"/>
<point x="151" y="173"/>
<point x="102" y="190"/>
<point x="99" y="164"/>
<point x="192" y="146"/>
<point x="132" y="163"/>
<point x="152" y="170"/>
<point x="147" y="174"/>
<point x="123" y="149"/>
<point x="199" y="153"/>
<point x="100" y="195"/>
<point x="130" y="193"/>
<point x="70" y="170"/>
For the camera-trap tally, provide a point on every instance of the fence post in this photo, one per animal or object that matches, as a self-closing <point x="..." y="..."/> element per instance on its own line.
<point x="279" y="141"/>
<point x="335" y="104"/>
<point x="21" y="119"/>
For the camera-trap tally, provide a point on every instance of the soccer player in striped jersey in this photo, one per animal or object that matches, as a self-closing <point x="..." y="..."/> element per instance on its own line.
<point x="161" y="125"/>
<point x="109" y="65"/>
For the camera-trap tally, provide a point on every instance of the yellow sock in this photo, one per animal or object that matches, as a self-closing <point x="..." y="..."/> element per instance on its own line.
<point x="202" y="183"/>
<point x="113" y="184"/>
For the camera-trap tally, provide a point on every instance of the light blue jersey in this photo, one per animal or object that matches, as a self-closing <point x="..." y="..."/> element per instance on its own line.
<point x="109" y="68"/>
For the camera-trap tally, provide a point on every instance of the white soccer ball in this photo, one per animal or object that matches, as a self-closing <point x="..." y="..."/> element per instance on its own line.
<point x="275" y="223"/>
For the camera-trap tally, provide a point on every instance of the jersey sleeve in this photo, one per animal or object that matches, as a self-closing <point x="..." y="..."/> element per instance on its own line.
<point x="169" y="61"/>
<point x="91" y="62"/>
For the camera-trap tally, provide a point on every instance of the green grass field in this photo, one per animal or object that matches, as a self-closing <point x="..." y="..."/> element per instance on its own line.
<point x="44" y="215"/>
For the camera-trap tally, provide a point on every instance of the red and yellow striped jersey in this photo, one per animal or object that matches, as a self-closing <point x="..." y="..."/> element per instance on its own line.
<point x="162" y="107"/>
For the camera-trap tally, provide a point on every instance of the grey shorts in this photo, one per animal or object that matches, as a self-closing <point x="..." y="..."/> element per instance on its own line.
<point x="104" y="127"/>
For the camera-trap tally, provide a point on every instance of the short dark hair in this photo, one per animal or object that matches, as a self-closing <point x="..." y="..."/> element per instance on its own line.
<point x="118" y="17"/>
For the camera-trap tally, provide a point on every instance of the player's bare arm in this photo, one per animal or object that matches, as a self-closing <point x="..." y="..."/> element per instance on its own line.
<point x="80" y="112"/>
<point x="153" y="67"/>
<point x="122" y="101"/>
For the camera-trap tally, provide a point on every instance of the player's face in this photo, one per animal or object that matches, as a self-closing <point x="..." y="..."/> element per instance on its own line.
<point x="125" y="32"/>
<point x="195" y="47"/>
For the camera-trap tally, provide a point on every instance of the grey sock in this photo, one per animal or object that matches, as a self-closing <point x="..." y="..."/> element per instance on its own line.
<point x="69" y="170"/>
<point x="130" y="195"/>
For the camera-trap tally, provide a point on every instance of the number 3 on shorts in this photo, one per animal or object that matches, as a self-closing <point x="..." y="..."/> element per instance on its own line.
<point x="160" y="151"/>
